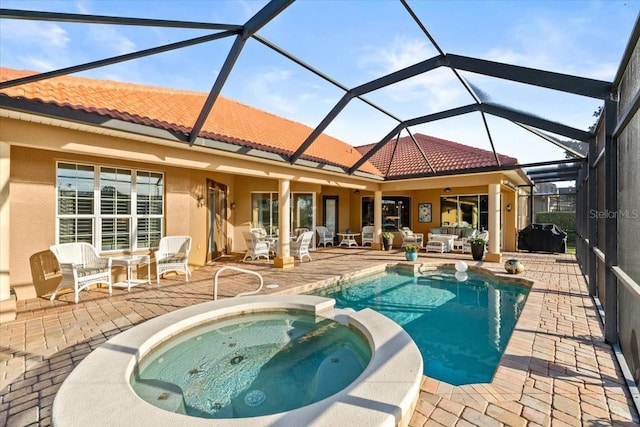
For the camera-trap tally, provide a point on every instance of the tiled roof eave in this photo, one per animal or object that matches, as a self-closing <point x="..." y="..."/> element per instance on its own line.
<point x="146" y="126"/>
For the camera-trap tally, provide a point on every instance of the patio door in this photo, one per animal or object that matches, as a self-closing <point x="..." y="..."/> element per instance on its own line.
<point x="330" y="213"/>
<point x="217" y="220"/>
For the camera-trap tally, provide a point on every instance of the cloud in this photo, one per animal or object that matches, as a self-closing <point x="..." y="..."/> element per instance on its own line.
<point x="83" y="7"/>
<point x="434" y="89"/>
<point x="547" y="42"/>
<point x="32" y="63"/>
<point x="31" y="33"/>
<point x="111" y="38"/>
<point x="262" y="88"/>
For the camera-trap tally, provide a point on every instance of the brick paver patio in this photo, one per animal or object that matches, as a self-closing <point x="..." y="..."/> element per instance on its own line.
<point x="557" y="370"/>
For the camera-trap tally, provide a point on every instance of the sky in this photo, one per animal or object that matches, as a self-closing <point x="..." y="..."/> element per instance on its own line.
<point x="352" y="42"/>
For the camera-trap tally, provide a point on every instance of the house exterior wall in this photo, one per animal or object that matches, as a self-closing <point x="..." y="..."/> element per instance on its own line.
<point x="36" y="147"/>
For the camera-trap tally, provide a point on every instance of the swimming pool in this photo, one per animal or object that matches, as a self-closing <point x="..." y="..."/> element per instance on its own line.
<point x="461" y="328"/>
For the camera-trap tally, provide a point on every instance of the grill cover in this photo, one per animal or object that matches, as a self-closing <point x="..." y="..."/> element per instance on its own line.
<point x="542" y="238"/>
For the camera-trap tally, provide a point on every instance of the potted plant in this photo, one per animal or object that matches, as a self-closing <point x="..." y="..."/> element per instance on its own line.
<point x="477" y="247"/>
<point x="411" y="252"/>
<point x="387" y="240"/>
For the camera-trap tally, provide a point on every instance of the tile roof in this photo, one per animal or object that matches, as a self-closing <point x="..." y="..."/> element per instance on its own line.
<point x="177" y="110"/>
<point x="403" y="157"/>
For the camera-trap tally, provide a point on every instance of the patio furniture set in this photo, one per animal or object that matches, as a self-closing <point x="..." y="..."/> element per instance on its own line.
<point x="262" y="245"/>
<point x="81" y="266"/>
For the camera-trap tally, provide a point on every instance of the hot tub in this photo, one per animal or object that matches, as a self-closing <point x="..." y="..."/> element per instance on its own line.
<point x="100" y="392"/>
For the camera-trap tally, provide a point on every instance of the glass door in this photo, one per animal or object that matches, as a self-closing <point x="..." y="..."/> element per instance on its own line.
<point x="217" y="220"/>
<point x="330" y="213"/>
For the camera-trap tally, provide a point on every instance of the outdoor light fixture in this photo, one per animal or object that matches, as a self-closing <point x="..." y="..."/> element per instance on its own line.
<point x="357" y="192"/>
<point x="509" y="207"/>
<point x="447" y="190"/>
<point x="232" y="205"/>
<point x="200" y="201"/>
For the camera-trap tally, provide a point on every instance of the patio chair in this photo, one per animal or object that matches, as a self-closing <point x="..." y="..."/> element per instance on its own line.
<point x="459" y="243"/>
<point x="300" y="247"/>
<point x="298" y="231"/>
<point x="466" y="247"/>
<point x="81" y="266"/>
<point x="260" y="232"/>
<point x="411" y="238"/>
<point x="255" y="248"/>
<point x="324" y="236"/>
<point x="173" y="255"/>
<point x="367" y="235"/>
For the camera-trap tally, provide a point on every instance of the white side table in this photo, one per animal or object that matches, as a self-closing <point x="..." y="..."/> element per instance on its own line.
<point x="348" y="239"/>
<point x="129" y="261"/>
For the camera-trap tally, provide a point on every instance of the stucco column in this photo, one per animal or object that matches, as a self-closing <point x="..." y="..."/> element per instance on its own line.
<point x="7" y="302"/>
<point x="377" y="220"/>
<point x="284" y="259"/>
<point x="494" y="254"/>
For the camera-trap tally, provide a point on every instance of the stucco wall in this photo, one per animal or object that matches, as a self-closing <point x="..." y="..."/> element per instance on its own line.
<point x="33" y="201"/>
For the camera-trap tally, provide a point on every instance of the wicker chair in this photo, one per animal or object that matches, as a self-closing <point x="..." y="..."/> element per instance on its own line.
<point x="367" y="235"/>
<point x="300" y="247"/>
<point x="411" y="238"/>
<point x="256" y="248"/>
<point x="173" y="255"/>
<point x="81" y="266"/>
<point x="324" y="236"/>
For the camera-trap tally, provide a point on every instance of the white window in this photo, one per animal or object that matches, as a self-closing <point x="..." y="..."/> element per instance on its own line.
<point x="111" y="208"/>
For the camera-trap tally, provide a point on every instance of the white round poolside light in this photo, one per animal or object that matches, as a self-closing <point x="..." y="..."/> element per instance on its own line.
<point x="461" y="266"/>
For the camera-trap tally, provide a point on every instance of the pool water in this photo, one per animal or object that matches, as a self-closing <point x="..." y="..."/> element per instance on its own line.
<point x="461" y="328"/>
<point x="251" y="365"/>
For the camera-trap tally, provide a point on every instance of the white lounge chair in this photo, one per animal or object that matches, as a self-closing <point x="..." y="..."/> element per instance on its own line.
<point x="411" y="238"/>
<point x="300" y="247"/>
<point x="173" y="255"/>
<point x="367" y="235"/>
<point x="324" y="236"/>
<point x="81" y="266"/>
<point x="255" y="247"/>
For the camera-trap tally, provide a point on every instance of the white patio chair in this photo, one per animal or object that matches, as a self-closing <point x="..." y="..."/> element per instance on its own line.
<point x="367" y="235"/>
<point x="81" y="266"/>
<point x="459" y="243"/>
<point x="260" y="232"/>
<point x="411" y="238"/>
<point x="255" y="247"/>
<point x="466" y="247"/>
<point x="324" y="236"/>
<point x="298" y="231"/>
<point x="300" y="247"/>
<point x="173" y="255"/>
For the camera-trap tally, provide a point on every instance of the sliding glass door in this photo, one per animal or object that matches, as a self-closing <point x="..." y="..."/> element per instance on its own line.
<point x="465" y="211"/>
<point x="264" y="211"/>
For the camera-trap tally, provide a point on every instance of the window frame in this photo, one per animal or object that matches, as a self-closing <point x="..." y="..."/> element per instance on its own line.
<point x="97" y="217"/>
<point x="402" y="204"/>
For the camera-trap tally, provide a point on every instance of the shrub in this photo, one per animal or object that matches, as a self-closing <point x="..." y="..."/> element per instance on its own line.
<point x="477" y="241"/>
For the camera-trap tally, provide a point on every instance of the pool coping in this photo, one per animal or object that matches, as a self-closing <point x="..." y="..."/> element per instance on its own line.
<point x="98" y="392"/>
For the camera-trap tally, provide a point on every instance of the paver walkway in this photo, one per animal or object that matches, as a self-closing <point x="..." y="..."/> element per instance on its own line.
<point x="557" y="370"/>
